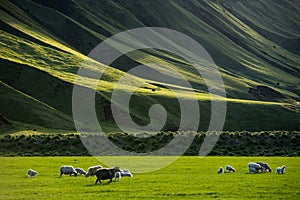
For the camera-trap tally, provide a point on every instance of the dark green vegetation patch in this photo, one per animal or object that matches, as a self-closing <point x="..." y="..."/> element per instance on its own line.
<point x="267" y="143"/>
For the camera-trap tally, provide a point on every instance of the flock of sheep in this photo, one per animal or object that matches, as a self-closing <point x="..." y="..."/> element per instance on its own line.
<point x="254" y="168"/>
<point x="228" y="168"/>
<point x="100" y="172"/>
<point x="116" y="173"/>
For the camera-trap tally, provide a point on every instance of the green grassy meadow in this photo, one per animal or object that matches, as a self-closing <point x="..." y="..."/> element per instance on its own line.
<point x="187" y="178"/>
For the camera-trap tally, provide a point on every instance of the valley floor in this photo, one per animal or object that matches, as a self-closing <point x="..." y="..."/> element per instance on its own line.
<point x="186" y="178"/>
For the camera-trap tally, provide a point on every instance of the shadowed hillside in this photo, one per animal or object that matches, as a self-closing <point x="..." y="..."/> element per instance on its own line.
<point x="255" y="44"/>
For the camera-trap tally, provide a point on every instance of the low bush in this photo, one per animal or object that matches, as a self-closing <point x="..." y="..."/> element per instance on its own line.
<point x="244" y="143"/>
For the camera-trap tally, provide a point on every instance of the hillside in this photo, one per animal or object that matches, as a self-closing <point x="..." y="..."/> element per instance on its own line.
<point x="255" y="45"/>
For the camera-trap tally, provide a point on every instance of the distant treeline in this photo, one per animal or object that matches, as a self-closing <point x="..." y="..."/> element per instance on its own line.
<point x="265" y="143"/>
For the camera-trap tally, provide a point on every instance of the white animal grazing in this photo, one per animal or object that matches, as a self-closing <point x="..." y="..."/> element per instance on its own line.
<point x="252" y="170"/>
<point x="254" y="167"/>
<point x="280" y="170"/>
<point x="117" y="176"/>
<point x="220" y="170"/>
<point x="80" y="171"/>
<point x="31" y="173"/>
<point x="124" y="172"/>
<point x="92" y="170"/>
<point x="67" y="170"/>
<point x="229" y="168"/>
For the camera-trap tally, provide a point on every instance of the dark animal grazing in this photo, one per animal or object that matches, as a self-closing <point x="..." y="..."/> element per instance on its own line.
<point x="106" y="173"/>
<point x="265" y="166"/>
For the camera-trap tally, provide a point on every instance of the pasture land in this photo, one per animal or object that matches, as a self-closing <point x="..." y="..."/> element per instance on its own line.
<point x="187" y="178"/>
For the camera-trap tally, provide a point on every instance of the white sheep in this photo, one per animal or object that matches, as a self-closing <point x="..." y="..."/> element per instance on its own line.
<point x="280" y="170"/>
<point x="254" y="167"/>
<point x="80" y="171"/>
<point x="124" y="172"/>
<point x="252" y="170"/>
<point x="92" y="170"/>
<point x="117" y="176"/>
<point x="31" y="173"/>
<point x="229" y="168"/>
<point x="67" y="170"/>
<point x="220" y="170"/>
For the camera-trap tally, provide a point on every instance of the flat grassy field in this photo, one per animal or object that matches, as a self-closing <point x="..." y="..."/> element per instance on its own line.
<point x="187" y="178"/>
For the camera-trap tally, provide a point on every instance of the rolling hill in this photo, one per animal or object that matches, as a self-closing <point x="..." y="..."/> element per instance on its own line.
<point x="255" y="45"/>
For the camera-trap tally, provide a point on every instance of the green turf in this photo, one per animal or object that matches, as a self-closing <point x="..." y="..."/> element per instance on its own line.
<point x="187" y="178"/>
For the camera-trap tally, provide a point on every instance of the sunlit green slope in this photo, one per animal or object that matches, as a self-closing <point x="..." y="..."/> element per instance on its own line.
<point x="43" y="44"/>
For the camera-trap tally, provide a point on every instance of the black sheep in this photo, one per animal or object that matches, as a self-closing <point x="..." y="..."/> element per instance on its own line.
<point x="265" y="166"/>
<point x="106" y="173"/>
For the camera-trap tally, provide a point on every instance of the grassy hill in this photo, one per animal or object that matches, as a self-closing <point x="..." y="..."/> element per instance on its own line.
<point x="43" y="44"/>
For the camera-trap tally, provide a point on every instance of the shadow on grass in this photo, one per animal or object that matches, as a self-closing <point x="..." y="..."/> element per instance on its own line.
<point x="98" y="184"/>
<point x="257" y="173"/>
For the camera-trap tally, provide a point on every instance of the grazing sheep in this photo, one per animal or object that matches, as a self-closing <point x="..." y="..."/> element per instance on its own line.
<point x="92" y="170"/>
<point x="265" y="166"/>
<point x="124" y="172"/>
<point x="117" y="176"/>
<point x="67" y="170"/>
<point x="254" y="167"/>
<point x="221" y="170"/>
<point x="80" y="171"/>
<point x="280" y="170"/>
<point x="229" y="168"/>
<point x="106" y="173"/>
<point x="252" y="170"/>
<point x="31" y="173"/>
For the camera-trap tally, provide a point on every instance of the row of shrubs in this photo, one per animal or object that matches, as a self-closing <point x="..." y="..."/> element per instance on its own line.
<point x="266" y="143"/>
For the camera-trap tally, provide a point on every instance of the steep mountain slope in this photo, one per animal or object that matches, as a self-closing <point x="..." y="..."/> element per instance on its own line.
<point x="43" y="44"/>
